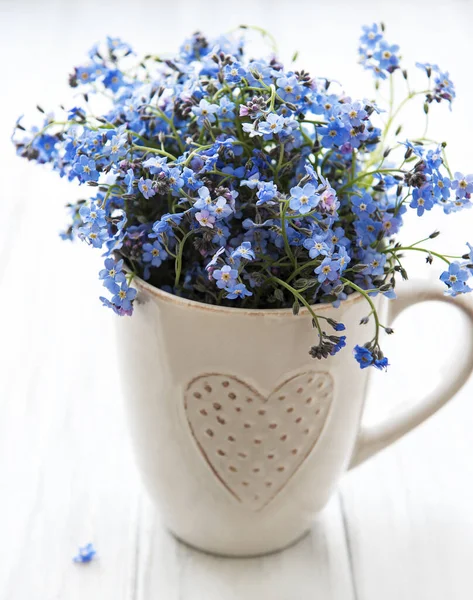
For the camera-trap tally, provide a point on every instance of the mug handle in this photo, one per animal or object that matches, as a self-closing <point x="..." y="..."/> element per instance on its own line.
<point x="375" y="438"/>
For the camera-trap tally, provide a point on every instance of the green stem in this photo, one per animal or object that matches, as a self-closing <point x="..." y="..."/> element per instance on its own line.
<point x="225" y="175"/>
<point x="367" y="174"/>
<point x="147" y="150"/>
<point x="178" y="262"/>
<point x="281" y="157"/>
<point x="301" y="299"/>
<point x="313" y="122"/>
<point x="264" y="86"/>
<point x="426" y="125"/>
<point x="444" y="155"/>
<point x="309" y="141"/>
<point x="309" y="263"/>
<point x="394" y="114"/>
<point x="324" y="161"/>
<point x="45" y="128"/>
<point x="273" y="97"/>
<point x="282" y="211"/>
<point x="196" y="151"/>
<point x="353" y="164"/>
<point x="398" y="206"/>
<point x="425" y="250"/>
<point x="219" y="92"/>
<point x="370" y="302"/>
<point x="264" y="34"/>
<point x="167" y="248"/>
<point x="170" y="122"/>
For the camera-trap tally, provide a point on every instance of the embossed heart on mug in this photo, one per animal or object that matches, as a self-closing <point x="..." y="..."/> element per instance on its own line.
<point x="254" y="443"/>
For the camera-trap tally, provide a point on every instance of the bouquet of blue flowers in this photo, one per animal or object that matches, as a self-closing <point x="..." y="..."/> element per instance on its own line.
<point x="239" y="182"/>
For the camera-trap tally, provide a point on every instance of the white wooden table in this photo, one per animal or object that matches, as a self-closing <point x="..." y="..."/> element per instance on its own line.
<point x="401" y="526"/>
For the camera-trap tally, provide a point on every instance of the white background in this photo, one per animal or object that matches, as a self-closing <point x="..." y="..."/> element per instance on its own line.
<point x="401" y="526"/>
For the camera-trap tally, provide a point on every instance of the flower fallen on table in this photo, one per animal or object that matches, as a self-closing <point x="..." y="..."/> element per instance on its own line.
<point x="86" y="554"/>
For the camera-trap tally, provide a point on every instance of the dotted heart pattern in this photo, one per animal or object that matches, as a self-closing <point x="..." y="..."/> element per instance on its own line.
<point x="254" y="444"/>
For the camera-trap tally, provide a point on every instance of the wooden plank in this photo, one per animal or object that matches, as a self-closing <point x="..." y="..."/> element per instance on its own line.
<point x="317" y="566"/>
<point x="408" y="510"/>
<point x="66" y="472"/>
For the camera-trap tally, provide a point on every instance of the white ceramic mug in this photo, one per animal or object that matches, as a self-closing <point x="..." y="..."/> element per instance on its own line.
<point x="241" y="436"/>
